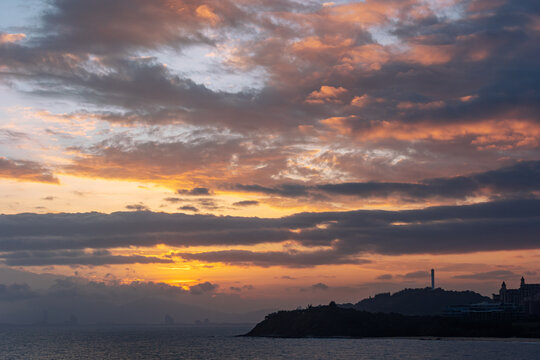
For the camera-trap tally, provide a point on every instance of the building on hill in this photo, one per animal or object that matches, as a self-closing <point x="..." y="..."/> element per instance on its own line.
<point x="527" y="297"/>
<point x="485" y="311"/>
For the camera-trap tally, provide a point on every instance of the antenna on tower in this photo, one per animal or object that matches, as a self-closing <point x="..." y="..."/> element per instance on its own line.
<point x="432" y="279"/>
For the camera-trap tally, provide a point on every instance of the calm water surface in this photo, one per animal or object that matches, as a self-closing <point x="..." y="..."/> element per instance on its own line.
<point x="160" y="342"/>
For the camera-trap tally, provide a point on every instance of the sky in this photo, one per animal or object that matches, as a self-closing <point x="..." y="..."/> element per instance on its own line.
<point x="257" y="154"/>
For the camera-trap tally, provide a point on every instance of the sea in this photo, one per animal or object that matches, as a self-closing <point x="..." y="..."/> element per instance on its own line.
<point x="220" y="343"/>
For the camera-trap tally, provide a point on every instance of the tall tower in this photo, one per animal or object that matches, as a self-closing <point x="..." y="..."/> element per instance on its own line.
<point x="432" y="279"/>
<point x="502" y="293"/>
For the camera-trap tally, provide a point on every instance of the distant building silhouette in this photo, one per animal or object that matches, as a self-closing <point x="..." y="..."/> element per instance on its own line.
<point x="168" y="320"/>
<point x="527" y="297"/>
<point x="44" y="317"/>
<point x="432" y="279"/>
<point x="72" y="321"/>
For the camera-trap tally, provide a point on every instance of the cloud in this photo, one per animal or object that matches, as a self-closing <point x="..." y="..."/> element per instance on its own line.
<point x="350" y="112"/>
<point x="326" y="54"/>
<point x="11" y="136"/>
<point x="74" y="258"/>
<point x="15" y="292"/>
<point x="522" y="177"/>
<point x="288" y="190"/>
<point x="384" y="277"/>
<point x="244" y="287"/>
<point x="194" y="192"/>
<point x="152" y="160"/>
<point x="415" y="275"/>
<point x="69" y="24"/>
<point x="174" y="200"/>
<point x="22" y="170"/>
<point x="326" y="94"/>
<point x="287" y="277"/>
<point x="137" y="207"/>
<point x="346" y="235"/>
<point x="188" y="208"/>
<point x="208" y="204"/>
<point x="292" y="259"/>
<point x="246" y="203"/>
<point x="202" y="288"/>
<point x="343" y="106"/>
<point x="489" y="275"/>
<point x="6" y="38"/>
<point x="319" y="286"/>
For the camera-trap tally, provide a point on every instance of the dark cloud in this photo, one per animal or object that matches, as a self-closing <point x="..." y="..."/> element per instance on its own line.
<point x="523" y="177"/>
<point x="137" y="207"/>
<point x="292" y="259"/>
<point x="74" y="257"/>
<point x="200" y="191"/>
<point x="289" y="190"/>
<point x="15" y="292"/>
<point x="384" y="277"/>
<point x="433" y="230"/>
<point x="208" y="204"/>
<point x="188" y="208"/>
<point x="238" y="289"/>
<point x="246" y="203"/>
<point x="26" y="171"/>
<point x="174" y="200"/>
<point x="490" y="275"/>
<point x="415" y="275"/>
<point x="202" y="288"/>
<point x="319" y="286"/>
<point x="69" y="25"/>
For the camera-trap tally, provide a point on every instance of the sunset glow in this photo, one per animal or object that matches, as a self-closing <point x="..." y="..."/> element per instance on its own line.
<point x="255" y="154"/>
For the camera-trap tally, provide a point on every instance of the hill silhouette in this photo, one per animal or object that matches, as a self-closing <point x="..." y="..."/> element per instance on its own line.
<point x="425" y="301"/>
<point x="334" y="321"/>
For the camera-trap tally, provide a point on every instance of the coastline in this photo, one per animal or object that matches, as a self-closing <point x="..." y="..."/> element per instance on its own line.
<point x="421" y="338"/>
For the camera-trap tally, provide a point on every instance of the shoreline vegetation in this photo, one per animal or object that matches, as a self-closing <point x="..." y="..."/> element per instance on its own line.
<point x="332" y="321"/>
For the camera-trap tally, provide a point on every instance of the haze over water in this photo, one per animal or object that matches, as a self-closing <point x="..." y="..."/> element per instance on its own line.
<point x="219" y="343"/>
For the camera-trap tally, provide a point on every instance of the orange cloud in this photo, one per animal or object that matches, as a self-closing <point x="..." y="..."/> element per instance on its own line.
<point x="369" y="56"/>
<point x="26" y="171"/>
<point x="326" y="94"/>
<point x="11" y="38"/>
<point x="360" y="101"/>
<point x="499" y="134"/>
<point x="428" y="54"/>
<point x="205" y="12"/>
<point x="367" y="13"/>
<point x="316" y="43"/>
